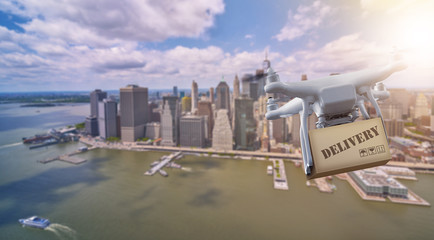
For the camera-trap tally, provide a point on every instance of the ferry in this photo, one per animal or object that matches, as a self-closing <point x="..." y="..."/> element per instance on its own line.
<point x="35" y="221"/>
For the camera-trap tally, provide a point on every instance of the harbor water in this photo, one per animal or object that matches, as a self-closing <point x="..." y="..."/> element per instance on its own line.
<point x="108" y="197"/>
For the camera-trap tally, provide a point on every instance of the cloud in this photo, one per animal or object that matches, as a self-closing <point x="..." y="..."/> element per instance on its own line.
<point x="248" y="36"/>
<point x="304" y="21"/>
<point x="94" y="22"/>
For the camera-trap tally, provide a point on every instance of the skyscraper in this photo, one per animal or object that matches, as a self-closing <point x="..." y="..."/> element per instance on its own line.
<point x="236" y="93"/>
<point x="222" y="133"/>
<point x="91" y="126"/>
<point x="223" y="97"/>
<point x="107" y="118"/>
<point x="175" y="91"/>
<point x="421" y="107"/>
<point x="186" y="104"/>
<point x="211" y="94"/>
<point x="134" y="110"/>
<point x="192" y="131"/>
<point x="96" y="96"/>
<point x="205" y="109"/>
<point x="194" y="96"/>
<point x="245" y="125"/>
<point x="170" y="121"/>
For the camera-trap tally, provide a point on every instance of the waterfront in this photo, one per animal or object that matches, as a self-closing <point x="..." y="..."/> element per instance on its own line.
<point x="108" y="197"/>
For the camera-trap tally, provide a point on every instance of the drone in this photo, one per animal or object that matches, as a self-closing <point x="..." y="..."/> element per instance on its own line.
<point x="335" y="99"/>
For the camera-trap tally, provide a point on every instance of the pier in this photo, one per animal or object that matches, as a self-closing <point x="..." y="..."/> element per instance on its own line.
<point x="279" y="175"/>
<point x="69" y="158"/>
<point x="165" y="160"/>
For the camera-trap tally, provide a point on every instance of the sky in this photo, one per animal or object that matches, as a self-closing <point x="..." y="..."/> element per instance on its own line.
<point x="75" y="45"/>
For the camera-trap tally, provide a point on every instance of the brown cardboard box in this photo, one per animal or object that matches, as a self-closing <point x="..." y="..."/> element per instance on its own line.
<point x="348" y="147"/>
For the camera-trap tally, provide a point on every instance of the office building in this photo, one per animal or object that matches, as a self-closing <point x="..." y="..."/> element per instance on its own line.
<point x="245" y="125"/>
<point x="134" y="112"/>
<point x="394" y="127"/>
<point x="192" y="131"/>
<point x="194" y="96"/>
<point x="205" y="109"/>
<point x="96" y="96"/>
<point x="236" y="92"/>
<point x="91" y="126"/>
<point x="175" y="91"/>
<point x="186" y="104"/>
<point x="223" y="97"/>
<point x="108" y="118"/>
<point x="421" y="107"/>
<point x="170" y="121"/>
<point x="154" y="112"/>
<point x="211" y="95"/>
<point x="391" y="110"/>
<point x="222" y="132"/>
<point x="153" y="130"/>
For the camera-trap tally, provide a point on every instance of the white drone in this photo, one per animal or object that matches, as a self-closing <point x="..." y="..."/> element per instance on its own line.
<point x="334" y="99"/>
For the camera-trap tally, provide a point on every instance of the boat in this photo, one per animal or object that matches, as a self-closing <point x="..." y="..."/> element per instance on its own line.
<point x="270" y="170"/>
<point x="35" y="221"/>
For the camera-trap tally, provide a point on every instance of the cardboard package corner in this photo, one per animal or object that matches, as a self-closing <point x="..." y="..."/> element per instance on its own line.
<point x="348" y="147"/>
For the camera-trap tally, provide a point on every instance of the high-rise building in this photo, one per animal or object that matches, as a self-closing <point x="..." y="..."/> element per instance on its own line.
<point x="91" y="126"/>
<point x="108" y="118"/>
<point x="223" y="97"/>
<point x="265" y="139"/>
<point x="394" y="127"/>
<point x="295" y="130"/>
<point x="205" y="109"/>
<point x="192" y="131"/>
<point x="211" y="95"/>
<point x="134" y="110"/>
<point x="245" y="125"/>
<point x="391" y="110"/>
<point x="421" y="107"/>
<point x="170" y="121"/>
<point x="222" y="133"/>
<point x="153" y="130"/>
<point x="96" y="96"/>
<point x="236" y="93"/>
<point x="186" y="104"/>
<point x="194" y="96"/>
<point x="400" y="96"/>
<point x="280" y="130"/>
<point x="153" y="113"/>
<point x="175" y="91"/>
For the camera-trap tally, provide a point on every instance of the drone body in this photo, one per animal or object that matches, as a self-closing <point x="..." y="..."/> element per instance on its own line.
<point x="335" y="99"/>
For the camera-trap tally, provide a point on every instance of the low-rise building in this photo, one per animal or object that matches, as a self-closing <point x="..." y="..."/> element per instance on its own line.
<point x="376" y="182"/>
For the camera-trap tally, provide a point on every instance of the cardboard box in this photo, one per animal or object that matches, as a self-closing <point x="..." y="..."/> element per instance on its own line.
<point x="348" y="147"/>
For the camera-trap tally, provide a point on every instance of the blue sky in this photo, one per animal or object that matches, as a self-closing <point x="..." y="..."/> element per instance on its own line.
<point x="82" y="45"/>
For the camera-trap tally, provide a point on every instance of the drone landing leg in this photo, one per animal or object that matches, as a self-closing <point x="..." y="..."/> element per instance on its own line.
<point x="304" y="139"/>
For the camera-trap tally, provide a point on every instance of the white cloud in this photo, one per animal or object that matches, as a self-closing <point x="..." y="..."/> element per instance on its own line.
<point x="92" y="22"/>
<point x="304" y="21"/>
<point x="248" y="36"/>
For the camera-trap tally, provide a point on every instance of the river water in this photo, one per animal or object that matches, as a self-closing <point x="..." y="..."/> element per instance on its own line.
<point x="109" y="198"/>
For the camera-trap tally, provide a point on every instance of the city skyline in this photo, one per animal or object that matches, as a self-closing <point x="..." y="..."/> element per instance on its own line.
<point x="45" y="47"/>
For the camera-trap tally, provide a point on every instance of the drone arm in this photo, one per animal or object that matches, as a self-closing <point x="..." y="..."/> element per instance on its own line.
<point x="291" y="90"/>
<point x="292" y="107"/>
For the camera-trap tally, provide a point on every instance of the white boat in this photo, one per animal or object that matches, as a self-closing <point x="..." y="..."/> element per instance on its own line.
<point x="269" y="170"/>
<point x="35" y="221"/>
